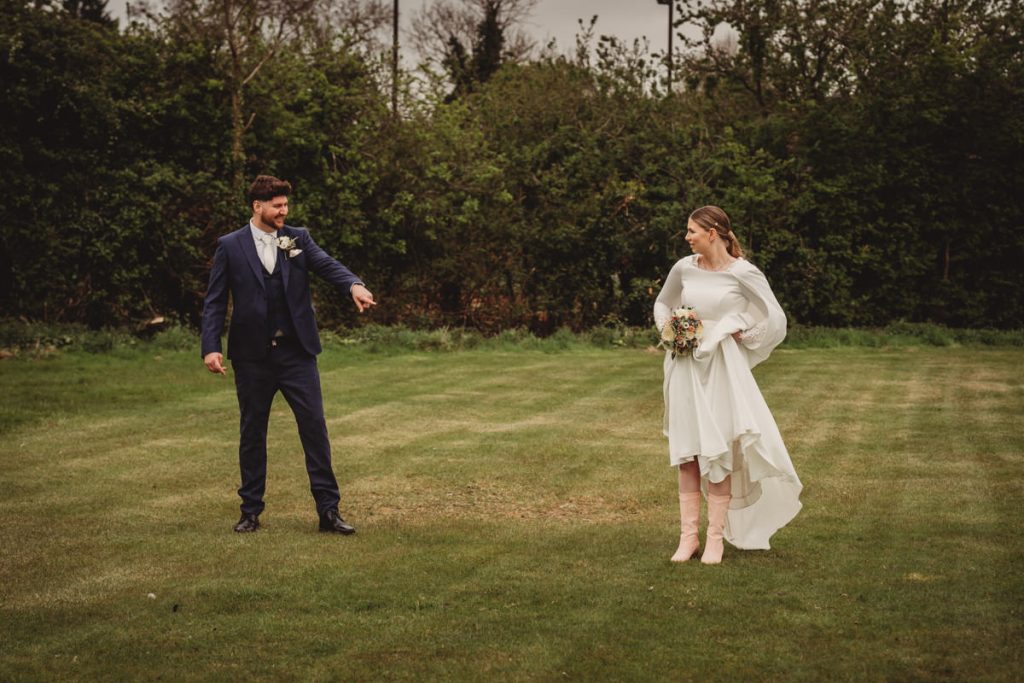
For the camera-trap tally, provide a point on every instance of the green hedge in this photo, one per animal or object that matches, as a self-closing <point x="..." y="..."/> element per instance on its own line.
<point x="881" y="186"/>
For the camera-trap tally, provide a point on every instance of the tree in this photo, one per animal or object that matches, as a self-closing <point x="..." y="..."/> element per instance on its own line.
<point x="471" y="40"/>
<point x="243" y="35"/>
<point x="884" y="111"/>
<point x="89" y="10"/>
<point x="869" y="153"/>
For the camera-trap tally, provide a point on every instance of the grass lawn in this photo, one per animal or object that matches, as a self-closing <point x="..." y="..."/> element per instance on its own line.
<point x="516" y="513"/>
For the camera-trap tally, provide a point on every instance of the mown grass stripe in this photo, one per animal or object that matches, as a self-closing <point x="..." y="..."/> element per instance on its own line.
<point x="515" y="515"/>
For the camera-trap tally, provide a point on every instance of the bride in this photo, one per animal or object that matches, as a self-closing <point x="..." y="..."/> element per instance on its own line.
<point x="721" y="435"/>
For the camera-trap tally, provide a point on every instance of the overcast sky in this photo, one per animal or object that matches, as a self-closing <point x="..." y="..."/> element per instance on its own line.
<point x="626" y="19"/>
<point x="558" y="19"/>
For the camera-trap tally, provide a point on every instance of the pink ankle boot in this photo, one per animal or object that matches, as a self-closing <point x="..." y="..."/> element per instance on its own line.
<point x="717" y="507"/>
<point x="689" y="516"/>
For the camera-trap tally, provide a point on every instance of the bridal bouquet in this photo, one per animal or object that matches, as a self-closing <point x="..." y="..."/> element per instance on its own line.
<point x="682" y="333"/>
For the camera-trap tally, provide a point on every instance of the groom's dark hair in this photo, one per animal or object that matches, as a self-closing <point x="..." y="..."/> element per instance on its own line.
<point x="266" y="187"/>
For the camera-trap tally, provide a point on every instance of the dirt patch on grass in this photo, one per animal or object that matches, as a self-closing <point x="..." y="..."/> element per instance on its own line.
<point x="405" y="500"/>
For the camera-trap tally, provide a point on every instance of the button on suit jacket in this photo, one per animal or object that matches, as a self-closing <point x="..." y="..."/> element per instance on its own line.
<point x="237" y="271"/>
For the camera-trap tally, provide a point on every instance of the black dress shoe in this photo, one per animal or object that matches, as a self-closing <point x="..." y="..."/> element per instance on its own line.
<point x="331" y="521"/>
<point x="247" y="523"/>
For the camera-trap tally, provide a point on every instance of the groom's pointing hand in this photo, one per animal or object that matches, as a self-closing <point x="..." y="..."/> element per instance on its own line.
<point x="215" y="363"/>
<point x="362" y="297"/>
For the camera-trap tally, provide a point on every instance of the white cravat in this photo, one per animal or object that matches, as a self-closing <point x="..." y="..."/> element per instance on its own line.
<point x="268" y="251"/>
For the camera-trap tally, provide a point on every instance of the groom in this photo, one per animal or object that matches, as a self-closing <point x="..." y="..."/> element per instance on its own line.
<point x="273" y="342"/>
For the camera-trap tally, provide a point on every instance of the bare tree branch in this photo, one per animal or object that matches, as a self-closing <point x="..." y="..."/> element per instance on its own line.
<point x="434" y="27"/>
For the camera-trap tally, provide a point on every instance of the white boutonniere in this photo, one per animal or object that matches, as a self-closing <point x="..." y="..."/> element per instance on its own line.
<point x="288" y="244"/>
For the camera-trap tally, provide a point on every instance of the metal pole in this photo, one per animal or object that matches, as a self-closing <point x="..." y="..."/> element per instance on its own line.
<point x="671" y="19"/>
<point x="671" y="7"/>
<point x="394" y="61"/>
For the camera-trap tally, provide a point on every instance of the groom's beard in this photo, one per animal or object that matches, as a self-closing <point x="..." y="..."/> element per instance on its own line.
<point x="270" y="219"/>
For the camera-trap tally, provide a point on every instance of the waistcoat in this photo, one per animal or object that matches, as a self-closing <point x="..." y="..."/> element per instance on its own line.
<point x="278" y="315"/>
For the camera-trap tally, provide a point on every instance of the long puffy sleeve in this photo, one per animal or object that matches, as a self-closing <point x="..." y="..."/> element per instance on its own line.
<point x="766" y="326"/>
<point x="670" y="297"/>
<point x="762" y="325"/>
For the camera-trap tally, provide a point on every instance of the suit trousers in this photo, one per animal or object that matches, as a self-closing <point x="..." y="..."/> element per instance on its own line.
<point x="291" y="370"/>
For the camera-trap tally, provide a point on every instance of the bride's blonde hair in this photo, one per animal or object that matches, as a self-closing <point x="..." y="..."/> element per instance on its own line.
<point x="713" y="218"/>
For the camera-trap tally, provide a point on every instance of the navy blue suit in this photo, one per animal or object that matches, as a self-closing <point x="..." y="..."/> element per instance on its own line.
<point x="265" y="305"/>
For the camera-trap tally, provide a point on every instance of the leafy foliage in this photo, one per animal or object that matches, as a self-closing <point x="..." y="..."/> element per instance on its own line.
<point x="869" y="154"/>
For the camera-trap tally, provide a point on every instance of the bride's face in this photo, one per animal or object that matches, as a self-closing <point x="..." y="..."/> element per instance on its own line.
<point x="698" y="238"/>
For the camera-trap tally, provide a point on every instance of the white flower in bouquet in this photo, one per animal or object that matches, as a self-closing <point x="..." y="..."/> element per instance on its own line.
<point x="683" y="332"/>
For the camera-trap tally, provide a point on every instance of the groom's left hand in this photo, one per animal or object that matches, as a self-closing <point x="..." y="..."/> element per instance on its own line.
<point x="362" y="297"/>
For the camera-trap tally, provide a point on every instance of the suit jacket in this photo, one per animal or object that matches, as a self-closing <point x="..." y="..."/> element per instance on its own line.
<point x="237" y="270"/>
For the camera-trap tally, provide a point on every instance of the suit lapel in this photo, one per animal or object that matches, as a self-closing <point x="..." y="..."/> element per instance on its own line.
<point x="282" y="257"/>
<point x="249" y="249"/>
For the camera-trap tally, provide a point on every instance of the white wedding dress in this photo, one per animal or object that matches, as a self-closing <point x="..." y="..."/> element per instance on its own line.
<point x="714" y="411"/>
